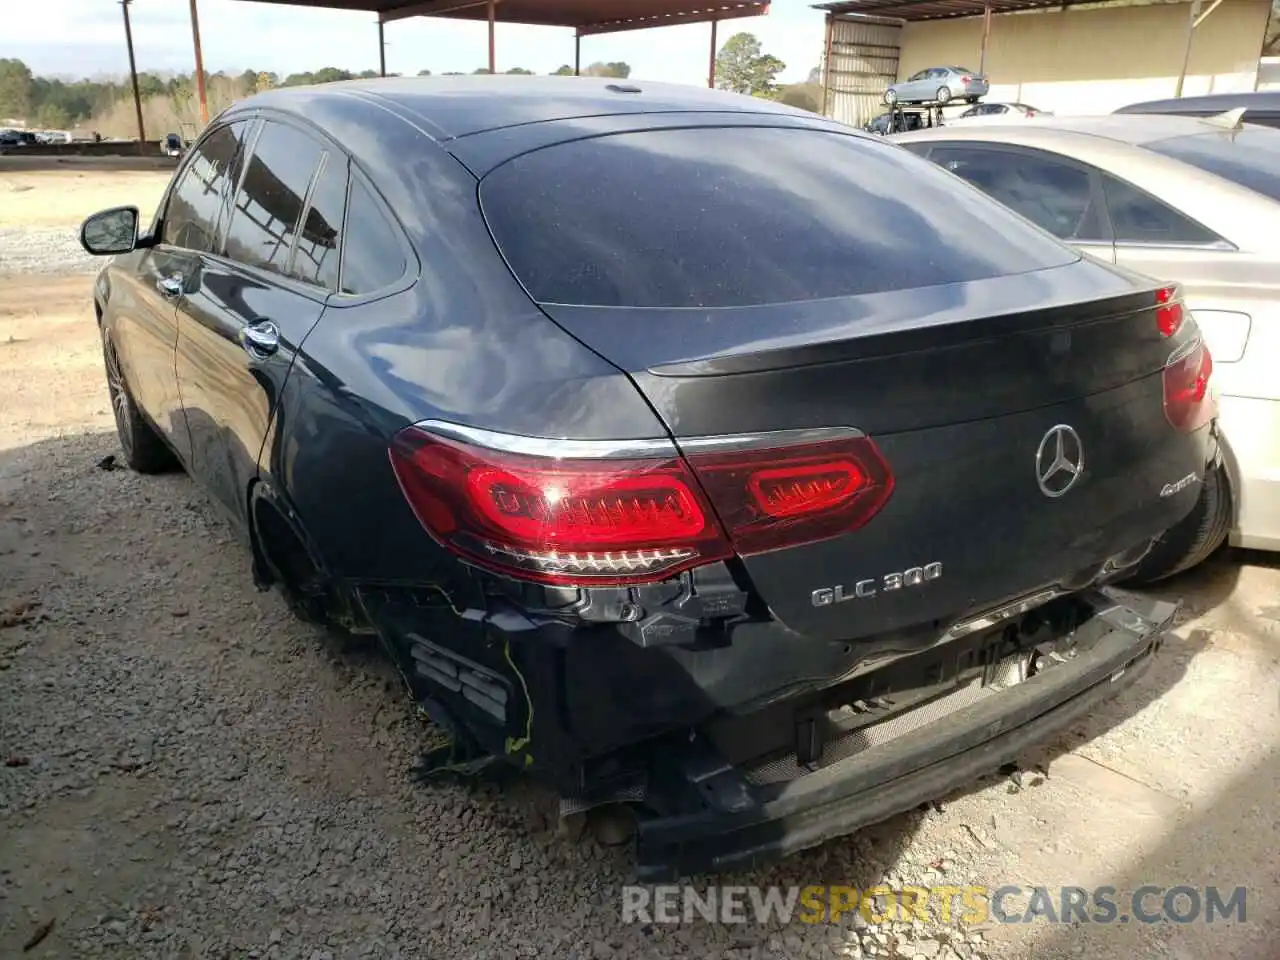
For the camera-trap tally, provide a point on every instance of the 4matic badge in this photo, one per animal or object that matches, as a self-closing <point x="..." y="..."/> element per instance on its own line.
<point x="862" y="589"/>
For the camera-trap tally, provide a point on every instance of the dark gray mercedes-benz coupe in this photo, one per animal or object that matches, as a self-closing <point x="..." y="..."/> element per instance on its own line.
<point x="684" y="449"/>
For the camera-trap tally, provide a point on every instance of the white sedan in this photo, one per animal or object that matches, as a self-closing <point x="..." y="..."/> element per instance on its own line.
<point x="1190" y="200"/>
<point x="998" y="113"/>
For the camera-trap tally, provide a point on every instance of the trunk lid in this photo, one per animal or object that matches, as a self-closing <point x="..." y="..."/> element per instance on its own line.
<point x="965" y="389"/>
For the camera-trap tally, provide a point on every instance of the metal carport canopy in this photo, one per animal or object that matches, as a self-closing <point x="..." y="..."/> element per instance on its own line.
<point x="586" y="17"/>
<point x="912" y="11"/>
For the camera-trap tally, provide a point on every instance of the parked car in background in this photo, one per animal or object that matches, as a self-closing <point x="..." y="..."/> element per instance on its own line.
<point x="988" y="112"/>
<point x="1261" y="106"/>
<point x="1181" y="199"/>
<point x="771" y="539"/>
<point x="173" y="145"/>
<point x="899" y="119"/>
<point x="938" y="84"/>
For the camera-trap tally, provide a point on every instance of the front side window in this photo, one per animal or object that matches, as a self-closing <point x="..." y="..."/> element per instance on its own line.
<point x="197" y="204"/>
<point x="1138" y="217"/>
<point x="737" y="216"/>
<point x="315" y="256"/>
<point x="268" y="205"/>
<point x="1053" y="195"/>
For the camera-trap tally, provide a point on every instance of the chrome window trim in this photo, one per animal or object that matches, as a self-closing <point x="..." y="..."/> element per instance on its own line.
<point x="1218" y="246"/>
<point x="648" y="447"/>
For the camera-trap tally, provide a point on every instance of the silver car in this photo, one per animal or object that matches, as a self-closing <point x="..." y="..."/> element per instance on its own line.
<point x="940" y="85"/>
<point x="1192" y="200"/>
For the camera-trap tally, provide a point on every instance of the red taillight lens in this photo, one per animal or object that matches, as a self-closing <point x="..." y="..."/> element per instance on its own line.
<point x="556" y="520"/>
<point x="618" y="521"/>
<point x="966" y="79"/>
<point x="1168" y="311"/>
<point x="784" y="497"/>
<point x="1188" y="405"/>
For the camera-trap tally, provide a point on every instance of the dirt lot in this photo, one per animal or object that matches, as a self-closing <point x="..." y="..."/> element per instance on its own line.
<point x="41" y="210"/>
<point x="189" y="772"/>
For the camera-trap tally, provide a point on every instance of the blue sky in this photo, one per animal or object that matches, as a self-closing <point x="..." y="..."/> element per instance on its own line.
<point x="73" y="38"/>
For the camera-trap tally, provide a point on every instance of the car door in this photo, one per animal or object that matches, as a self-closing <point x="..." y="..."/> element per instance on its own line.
<point x="256" y="299"/>
<point x="144" y="327"/>
<point x="911" y="87"/>
<point x="1054" y="192"/>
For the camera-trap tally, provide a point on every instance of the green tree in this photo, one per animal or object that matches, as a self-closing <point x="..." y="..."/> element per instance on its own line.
<point x="424" y="73"/>
<point x="53" y="116"/>
<point x="15" y="88"/>
<point x="615" y="68"/>
<point x="806" y="96"/>
<point x="741" y="66"/>
<point x="368" y="74"/>
<point x="564" y="70"/>
<point x="479" y="70"/>
<point x="520" y="72"/>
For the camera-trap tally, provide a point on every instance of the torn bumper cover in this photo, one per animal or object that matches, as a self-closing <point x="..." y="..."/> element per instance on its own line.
<point x="746" y="823"/>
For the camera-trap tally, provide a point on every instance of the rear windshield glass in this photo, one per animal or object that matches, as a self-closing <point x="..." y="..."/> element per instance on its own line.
<point x="1250" y="157"/>
<point x="737" y="216"/>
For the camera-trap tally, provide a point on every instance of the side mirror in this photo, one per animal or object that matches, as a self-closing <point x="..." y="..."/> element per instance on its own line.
<point x="110" y="231"/>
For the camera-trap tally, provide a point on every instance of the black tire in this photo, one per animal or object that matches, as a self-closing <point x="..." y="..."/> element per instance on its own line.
<point x="142" y="447"/>
<point x="1194" y="538"/>
<point x="944" y="94"/>
<point x="891" y="97"/>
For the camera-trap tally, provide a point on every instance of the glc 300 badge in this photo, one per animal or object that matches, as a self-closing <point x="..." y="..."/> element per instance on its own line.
<point x="862" y="589"/>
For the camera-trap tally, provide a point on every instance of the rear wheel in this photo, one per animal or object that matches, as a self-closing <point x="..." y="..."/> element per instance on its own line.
<point x="1194" y="538"/>
<point x="944" y="94"/>
<point x="142" y="447"/>
<point x="891" y="97"/>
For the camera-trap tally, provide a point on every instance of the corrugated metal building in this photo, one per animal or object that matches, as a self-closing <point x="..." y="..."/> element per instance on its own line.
<point x="1070" y="57"/>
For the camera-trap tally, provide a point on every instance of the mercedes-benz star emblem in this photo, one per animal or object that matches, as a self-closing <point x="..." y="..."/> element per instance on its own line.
<point x="1059" y="460"/>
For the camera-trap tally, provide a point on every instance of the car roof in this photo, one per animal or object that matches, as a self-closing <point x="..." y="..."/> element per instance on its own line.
<point x="449" y="107"/>
<point x="1210" y="103"/>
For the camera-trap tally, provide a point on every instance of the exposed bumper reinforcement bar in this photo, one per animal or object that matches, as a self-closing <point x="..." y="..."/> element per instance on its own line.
<point x="1113" y="648"/>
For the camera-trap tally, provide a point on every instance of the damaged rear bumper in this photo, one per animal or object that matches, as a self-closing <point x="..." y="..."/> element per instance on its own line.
<point x="744" y="824"/>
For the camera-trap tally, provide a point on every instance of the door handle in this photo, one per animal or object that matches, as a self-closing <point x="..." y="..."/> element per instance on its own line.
<point x="260" y="339"/>
<point x="170" y="286"/>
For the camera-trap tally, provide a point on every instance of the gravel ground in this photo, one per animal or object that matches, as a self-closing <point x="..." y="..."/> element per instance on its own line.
<point x="189" y="772"/>
<point x="51" y="250"/>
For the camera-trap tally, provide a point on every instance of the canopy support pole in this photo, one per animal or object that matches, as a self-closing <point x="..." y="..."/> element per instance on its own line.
<point x="200" y="90"/>
<point x="711" y="73"/>
<point x="493" y="57"/>
<point x="382" y="50"/>
<point x="986" y="35"/>
<point x="133" y="74"/>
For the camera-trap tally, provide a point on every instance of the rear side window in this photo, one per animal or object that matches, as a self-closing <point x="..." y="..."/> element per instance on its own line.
<point x="736" y="216"/>
<point x="1053" y="195"/>
<point x="1138" y="217"/>
<point x="269" y="203"/>
<point x="1250" y="157"/>
<point x="372" y="257"/>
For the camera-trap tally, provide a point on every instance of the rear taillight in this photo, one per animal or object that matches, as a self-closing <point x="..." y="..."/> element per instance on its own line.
<point x="785" y="496"/>
<point x="558" y="520"/>
<point x="1168" y="310"/>
<point x="610" y="520"/>
<point x="966" y="79"/>
<point x="1188" y="404"/>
